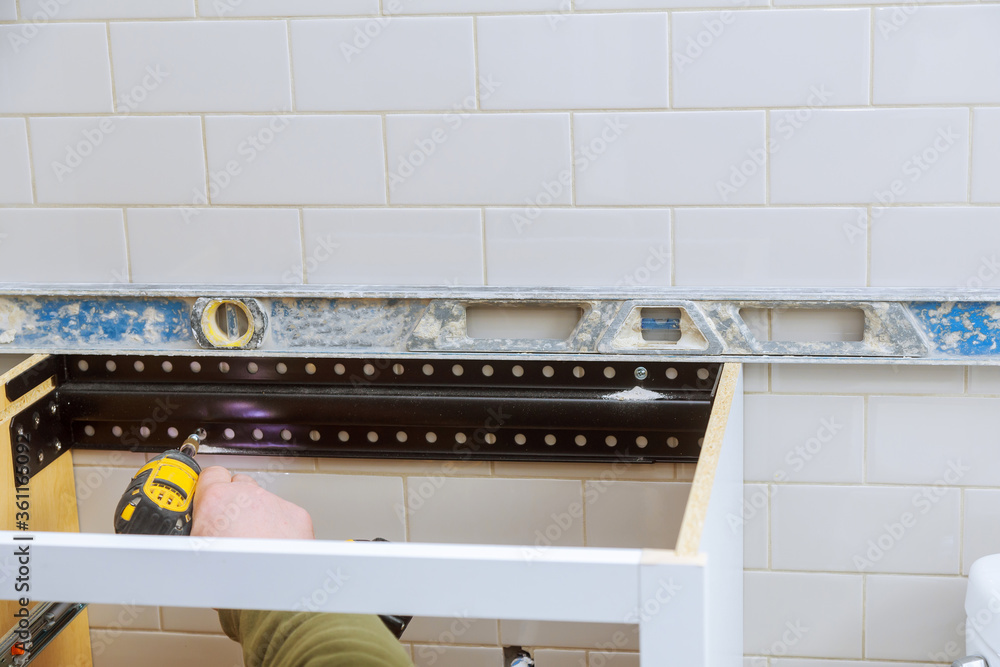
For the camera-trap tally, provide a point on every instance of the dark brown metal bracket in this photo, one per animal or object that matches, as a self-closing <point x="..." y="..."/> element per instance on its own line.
<point x="409" y="408"/>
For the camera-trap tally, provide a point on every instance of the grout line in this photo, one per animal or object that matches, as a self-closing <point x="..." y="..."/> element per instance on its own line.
<point x="128" y="246"/>
<point x="966" y="379"/>
<point x="770" y="551"/>
<point x="302" y="245"/>
<point x="208" y="171"/>
<point x="583" y="516"/>
<point x="572" y="158"/>
<point x="291" y="68"/>
<point x="385" y="158"/>
<point x="475" y="57"/>
<point x="111" y="70"/>
<point x="31" y="162"/>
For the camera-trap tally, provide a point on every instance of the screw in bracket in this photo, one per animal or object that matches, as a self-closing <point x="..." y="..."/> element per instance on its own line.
<point x="641" y="373"/>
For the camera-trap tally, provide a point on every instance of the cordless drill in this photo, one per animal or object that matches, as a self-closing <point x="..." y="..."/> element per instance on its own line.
<point x="158" y="499"/>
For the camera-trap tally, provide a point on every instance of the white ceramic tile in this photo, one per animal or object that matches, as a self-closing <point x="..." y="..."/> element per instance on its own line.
<point x="123" y="617"/>
<point x="985" y="160"/>
<point x="805" y="614"/>
<point x="162" y="649"/>
<point x="297" y="159"/>
<point x="459" y="630"/>
<point x="15" y="172"/>
<point x="403" y="467"/>
<point x="537" y="512"/>
<point x="803" y="438"/>
<point x="872" y="155"/>
<point x="984" y="380"/>
<point x="98" y="490"/>
<point x="821" y="324"/>
<point x="62" y="245"/>
<point x="783" y="247"/>
<point x="669" y="157"/>
<point x="939" y="440"/>
<point x="812" y="57"/>
<point x="394" y="246"/>
<point x="8" y="10"/>
<point x="620" y="247"/>
<point x="756" y="378"/>
<point x="479" y="159"/>
<point x="565" y="61"/>
<point x="607" y="659"/>
<point x="657" y="472"/>
<point x="982" y="516"/>
<point x="852" y="379"/>
<point x="908" y="250"/>
<point x="654" y="511"/>
<point x="108" y="458"/>
<point x="183" y="619"/>
<point x="754" y="517"/>
<point x="269" y="8"/>
<point x="557" y="658"/>
<point x="865" y="529"/>
<point x="134" y="160"/>
<point x="665" y="4"/>
<point x="343" y="507"/>
<point x="914" y="618"/>
<point x="391" y="63"/>
<point x="55" y="68"/>
<point x="569" y="635"/>
<point x="108" y="9"/>
<point x="260" y="464"/>
<point x="802" y="662"/>
<point x="201" y="66"/>
<point x="477" y="6"/>
<point x="944" y="55"/>
<point x="427" y="655"/>
<point x="214" y="245"/>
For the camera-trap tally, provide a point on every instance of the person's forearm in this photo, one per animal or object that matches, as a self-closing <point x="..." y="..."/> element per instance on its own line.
<point x="303" y="639"/>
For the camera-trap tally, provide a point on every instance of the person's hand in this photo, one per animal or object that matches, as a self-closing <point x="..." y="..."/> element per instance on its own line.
<point x="227" y="505"/>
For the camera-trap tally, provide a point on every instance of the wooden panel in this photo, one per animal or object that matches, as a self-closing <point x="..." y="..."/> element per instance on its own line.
<point x="53" y="508"/>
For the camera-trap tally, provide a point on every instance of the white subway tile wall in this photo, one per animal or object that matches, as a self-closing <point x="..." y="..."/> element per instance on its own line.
<point x="656" y="143"/>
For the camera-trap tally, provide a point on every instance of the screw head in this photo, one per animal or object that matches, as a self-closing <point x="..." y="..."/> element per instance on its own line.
<point x="641" y="373"/>
<point x="53" y="408"/>
<point x="20" y="429"/>
<point x="57" y="445"/>
<point x="41" y="456"/>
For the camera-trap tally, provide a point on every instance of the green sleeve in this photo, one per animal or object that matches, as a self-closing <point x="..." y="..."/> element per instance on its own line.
<point x="304" y="639"/>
